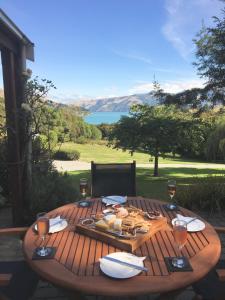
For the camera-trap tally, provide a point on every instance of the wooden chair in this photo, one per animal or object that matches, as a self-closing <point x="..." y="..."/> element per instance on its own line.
<point x="17" y="280"/>
<point x="212" y="286"/>
<point x="113" y="179"/>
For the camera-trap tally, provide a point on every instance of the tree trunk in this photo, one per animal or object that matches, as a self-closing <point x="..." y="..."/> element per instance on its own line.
<point x="156" y="166"/>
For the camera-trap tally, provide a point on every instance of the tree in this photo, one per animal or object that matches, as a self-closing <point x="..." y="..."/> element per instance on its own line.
<point x="215" y="147"/>
<point x="210" y="53"/>
<point x="150" y="129"/>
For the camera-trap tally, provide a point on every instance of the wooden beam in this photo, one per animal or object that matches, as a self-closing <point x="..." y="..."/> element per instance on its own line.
<point x="12" y="123"/>
<point x="6" y="42"/>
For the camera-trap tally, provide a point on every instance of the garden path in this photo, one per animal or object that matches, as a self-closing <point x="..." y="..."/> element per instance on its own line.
<point x="64" y="166"/>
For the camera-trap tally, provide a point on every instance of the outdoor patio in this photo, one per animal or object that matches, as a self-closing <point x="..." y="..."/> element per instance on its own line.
<point x="10" y="248"/>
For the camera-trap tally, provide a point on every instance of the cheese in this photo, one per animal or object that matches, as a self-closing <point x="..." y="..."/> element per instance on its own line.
<point x="101" y="224"/>
<point x="117" y="225"/>
<point x="122" y="212"/>
<point x="109" y="219"/>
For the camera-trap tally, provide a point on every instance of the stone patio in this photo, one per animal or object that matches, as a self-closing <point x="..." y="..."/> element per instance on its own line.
<point x="10" y="249"/>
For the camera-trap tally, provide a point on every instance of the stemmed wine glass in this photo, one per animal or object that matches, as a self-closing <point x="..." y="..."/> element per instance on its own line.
<point x="171" y="187"/>
<point x="43" y="229"/>
<point x="83" y="187"/>
<point x="180" y="237"/>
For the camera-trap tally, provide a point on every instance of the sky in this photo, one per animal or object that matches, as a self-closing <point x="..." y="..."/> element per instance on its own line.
<point x="109" y="48"/>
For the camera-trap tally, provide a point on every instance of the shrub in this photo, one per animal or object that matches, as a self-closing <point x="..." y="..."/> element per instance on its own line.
<point x="82" y="140"/>
<point x="205" y="194"/>
<point x="63" y="155"/>
<point x="49" y="191"/>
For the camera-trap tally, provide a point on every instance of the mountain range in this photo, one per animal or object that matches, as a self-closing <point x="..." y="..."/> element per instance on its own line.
<point x="113" y="104"/>
<point x="116" y="104"/>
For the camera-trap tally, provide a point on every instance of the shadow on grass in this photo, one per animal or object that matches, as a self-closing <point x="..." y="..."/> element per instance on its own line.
<point x="156" y="187"/>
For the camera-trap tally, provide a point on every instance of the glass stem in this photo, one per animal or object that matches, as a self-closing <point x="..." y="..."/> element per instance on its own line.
<point x="43" y="240"/>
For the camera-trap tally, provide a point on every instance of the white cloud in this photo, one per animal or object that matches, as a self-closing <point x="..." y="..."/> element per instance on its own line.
<point x="184" y="19"/>
<point x="169" y="86"/>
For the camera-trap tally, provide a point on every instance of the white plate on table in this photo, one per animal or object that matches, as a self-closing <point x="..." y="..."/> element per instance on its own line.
<point x="57" y="224"/>
<point x="111" y="200"/>
<point x="116" y="270"/>
<point x="194" y="226"/>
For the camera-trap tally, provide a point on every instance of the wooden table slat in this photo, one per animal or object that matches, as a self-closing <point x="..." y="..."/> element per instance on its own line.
<point x="76" y="263"/>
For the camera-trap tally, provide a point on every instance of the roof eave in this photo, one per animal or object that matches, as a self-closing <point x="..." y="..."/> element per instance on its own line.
<point x="18" y="34"/>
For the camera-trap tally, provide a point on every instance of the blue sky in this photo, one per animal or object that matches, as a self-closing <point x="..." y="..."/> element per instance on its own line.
<point x="103" y="48"/>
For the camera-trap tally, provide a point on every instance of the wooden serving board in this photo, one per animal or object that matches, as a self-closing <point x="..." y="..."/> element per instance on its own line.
<point x="124" y="244"/>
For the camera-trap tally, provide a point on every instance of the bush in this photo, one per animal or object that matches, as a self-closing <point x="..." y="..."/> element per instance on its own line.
<point x="205" y="194"/>
<point x="49" y="191"/>
<point x="81" y="140"/>
<point x="63" y="155"/>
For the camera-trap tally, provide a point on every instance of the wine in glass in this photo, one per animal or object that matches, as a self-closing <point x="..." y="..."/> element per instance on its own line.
<point x="43" y="229"/>
<point x="171" y="187"/>
<point x="180" y="237"/>
<point x="83" y="187"/>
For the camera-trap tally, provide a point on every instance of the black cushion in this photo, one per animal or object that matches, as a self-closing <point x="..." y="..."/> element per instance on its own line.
<point x="23" y="282"/>
<point x="210" y="287"/>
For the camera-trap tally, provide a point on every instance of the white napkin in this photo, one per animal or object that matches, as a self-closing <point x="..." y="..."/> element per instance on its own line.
<point x="194" y="226"/>
<point x="115" y="199"/>
<point x="55" y="224"/>
<point x="183" y="218"/>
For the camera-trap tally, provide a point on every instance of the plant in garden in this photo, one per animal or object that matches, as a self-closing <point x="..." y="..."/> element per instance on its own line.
<point x="63" y="155"/>
<point x="204" y="194"/>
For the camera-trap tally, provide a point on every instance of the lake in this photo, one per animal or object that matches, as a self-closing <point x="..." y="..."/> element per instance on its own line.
<point x="104" y="117"/>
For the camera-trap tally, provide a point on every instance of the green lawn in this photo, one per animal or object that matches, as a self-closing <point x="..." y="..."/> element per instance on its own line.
<point x="104" y="154"/>
<point x="149" y="186"/>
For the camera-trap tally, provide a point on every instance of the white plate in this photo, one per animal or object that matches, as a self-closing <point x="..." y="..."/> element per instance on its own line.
<point x="196" y="225"/>
<point x="116" y="270"/>
<point x="56" y="225"/>
<point x="115" y="200"/>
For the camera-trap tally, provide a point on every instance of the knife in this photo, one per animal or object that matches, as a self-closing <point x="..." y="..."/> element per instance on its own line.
<point x="193" y="219"/>
<point x="124" y="263"/>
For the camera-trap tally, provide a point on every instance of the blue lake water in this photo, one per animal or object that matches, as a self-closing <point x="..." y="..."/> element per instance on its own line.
<point x="104" y="117"/>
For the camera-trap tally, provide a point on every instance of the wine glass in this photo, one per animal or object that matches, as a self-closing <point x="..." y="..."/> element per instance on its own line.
<point x="171" y="187"/>
<point x="43" y="229"/>
<point x="180" y="237"/>
<point x="83" y="187"/>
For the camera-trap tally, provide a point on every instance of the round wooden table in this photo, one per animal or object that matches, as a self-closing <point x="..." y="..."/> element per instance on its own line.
<point x="76" y="263"/>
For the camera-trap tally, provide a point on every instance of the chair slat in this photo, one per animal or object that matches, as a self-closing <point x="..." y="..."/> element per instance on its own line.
<point x="221" y="274"/>
<point x="5" y="279"/>
<point x="113" y="179"/>
<point x="13" y="231"/>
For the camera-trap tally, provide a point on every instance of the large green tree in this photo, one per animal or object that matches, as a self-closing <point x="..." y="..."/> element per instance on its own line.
<point x="151" y="129"/>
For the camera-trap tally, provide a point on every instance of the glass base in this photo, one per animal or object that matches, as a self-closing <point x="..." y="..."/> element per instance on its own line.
<point x="171" y="206"/>
<point x="44" y="251"/>
<point x="178" y="262"/>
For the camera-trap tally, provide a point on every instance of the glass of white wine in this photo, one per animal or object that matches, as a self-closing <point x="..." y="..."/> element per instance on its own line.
<point x="171" y="187"/>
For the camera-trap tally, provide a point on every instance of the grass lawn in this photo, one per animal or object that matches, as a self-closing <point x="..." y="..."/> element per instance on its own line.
<point x="147" y="185"/>
<point x="104" y="154"/>
<point x="152" y="187"/>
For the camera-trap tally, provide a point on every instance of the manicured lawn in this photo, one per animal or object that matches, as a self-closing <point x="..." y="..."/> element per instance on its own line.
<point x="104" y="154"/>
<point x="149" y="186"/>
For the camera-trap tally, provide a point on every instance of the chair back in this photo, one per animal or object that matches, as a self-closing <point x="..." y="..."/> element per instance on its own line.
<point x="113" y="179"/>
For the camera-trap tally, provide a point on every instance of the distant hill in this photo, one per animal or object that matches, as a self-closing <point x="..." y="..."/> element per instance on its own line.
<point x="116" y="104"/>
